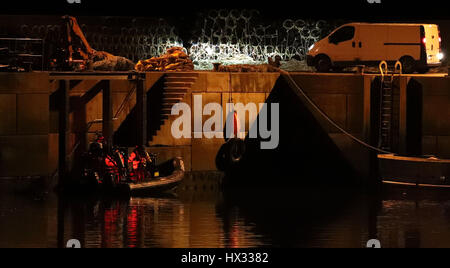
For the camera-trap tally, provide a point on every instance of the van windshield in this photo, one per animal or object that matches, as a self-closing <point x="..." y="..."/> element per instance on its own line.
<point x="344" y="34"/>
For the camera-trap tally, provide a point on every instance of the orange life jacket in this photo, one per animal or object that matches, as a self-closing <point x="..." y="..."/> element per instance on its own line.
<point x="111" y="165"/>
<point x="135" y="159"/>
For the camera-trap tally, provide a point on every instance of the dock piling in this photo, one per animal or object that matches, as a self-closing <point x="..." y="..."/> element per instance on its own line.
<point x="141" y="108"/>
<point x="107" y="128"/>
<point x="64" y="110"/>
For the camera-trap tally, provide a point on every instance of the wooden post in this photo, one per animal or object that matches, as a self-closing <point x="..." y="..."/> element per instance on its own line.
<point x="64" y="109"/>
<point x="367" y="120"/>
<point x="370" y="165"/>
<point x="107" y="125"/>
<point x="403" y="115"/>
<point x="141" y="109"/>
<point x="61" y="214"/>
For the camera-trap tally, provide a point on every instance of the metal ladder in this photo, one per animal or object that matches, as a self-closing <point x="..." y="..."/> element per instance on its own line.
<point x="387" y="105"/>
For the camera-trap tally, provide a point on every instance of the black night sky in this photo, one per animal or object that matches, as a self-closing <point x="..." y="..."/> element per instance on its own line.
<point x="323" y="9"/>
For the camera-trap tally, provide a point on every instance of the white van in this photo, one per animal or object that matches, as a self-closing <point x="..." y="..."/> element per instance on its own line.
<point x="416" y="46"/>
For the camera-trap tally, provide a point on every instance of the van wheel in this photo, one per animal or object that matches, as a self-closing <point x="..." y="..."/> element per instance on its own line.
<point x="323" y="64"/>
<point x="408" y="64"/>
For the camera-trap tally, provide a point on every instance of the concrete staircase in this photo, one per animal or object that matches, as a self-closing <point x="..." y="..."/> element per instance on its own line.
<point x="176" y="86"/>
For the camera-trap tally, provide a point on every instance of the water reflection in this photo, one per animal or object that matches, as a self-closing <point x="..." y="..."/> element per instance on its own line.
<point x="411" y="218"/>
<point x="242" y="218"/>
<point x="237" y="218"/>
<point x="156" y="222"/>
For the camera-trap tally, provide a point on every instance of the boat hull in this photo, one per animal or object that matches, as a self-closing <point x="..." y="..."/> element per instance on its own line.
<point x="171" y="175"/>
<point x="414" y="171"/>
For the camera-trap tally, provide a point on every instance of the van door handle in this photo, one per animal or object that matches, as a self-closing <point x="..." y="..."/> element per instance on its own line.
<point x="354" y="44"/>
<point x="360" y="44"/>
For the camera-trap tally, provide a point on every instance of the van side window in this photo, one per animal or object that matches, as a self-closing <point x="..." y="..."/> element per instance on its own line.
<point x="344" y="34"/>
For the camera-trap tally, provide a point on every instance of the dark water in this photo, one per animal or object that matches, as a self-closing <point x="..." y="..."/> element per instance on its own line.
<point x="208" y="217"/>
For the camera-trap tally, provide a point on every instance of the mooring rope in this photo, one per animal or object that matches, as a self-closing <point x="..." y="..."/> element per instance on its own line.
<point x="331" y="121"/>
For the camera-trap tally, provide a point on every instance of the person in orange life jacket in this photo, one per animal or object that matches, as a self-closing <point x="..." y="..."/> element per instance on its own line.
<point x="115" y="164"/>
<point x="146" y="161"/>
<point x="95" y="158"/>
<point x="138" y="162"/>
<point x="122" y="164"/>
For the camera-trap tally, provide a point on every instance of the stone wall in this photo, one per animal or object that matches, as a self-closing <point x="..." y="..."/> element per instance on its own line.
<point x="24" y="124"/>
<point x="436" y="116"/>
<point x="29" y="115"/>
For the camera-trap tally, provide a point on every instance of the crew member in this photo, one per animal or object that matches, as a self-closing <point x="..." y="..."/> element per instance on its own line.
<point x="137" y="160"/>
<point x="115" y="164"/>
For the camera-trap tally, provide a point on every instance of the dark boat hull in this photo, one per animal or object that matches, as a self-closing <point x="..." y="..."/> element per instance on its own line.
<point x="171" y="175"/>
<point x="158" y="185"/>
<point x="414" y="171"/>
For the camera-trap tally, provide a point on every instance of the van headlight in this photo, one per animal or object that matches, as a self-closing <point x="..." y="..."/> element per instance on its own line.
<point x="440" y="56"/>
<point x="310" y="48"/>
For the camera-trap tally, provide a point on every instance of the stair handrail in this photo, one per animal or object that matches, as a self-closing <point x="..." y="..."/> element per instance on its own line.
<point x="400" y="65"/>
<point x="383" y="71"/>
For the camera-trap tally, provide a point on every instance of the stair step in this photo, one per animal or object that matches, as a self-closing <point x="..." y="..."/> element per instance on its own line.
<point x="167" y="106"/>
<point x="171" y="100"/>
<point x="178" y="84"/>
<point x="181" y="79"/>
<point x="176" y="89"/>
<point x="183" y="74"/>
<point x="179" y="95"/>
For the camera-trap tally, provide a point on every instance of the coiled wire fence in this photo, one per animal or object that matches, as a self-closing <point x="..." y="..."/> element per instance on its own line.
<point x="218" y="36"/>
